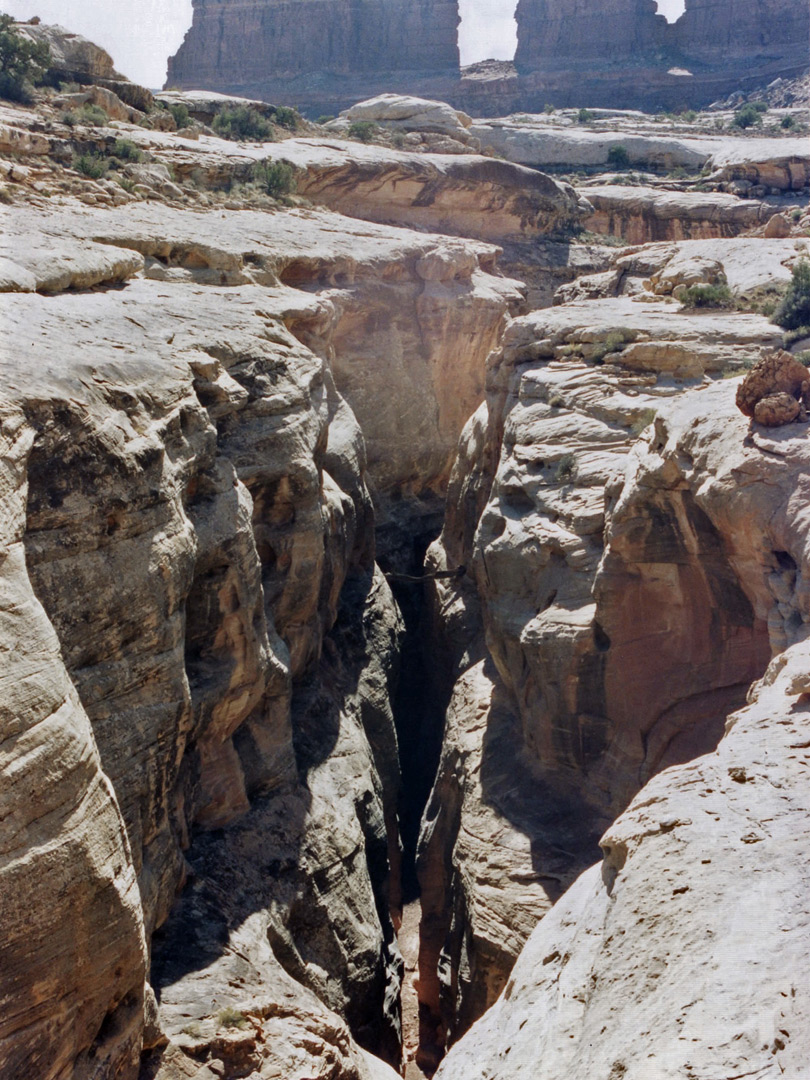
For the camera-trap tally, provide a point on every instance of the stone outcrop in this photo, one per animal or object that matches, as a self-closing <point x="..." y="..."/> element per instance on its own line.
<point x="579" y="35"/>
<point x="618" y="979"/>
<point x="576" y="573"/>
<point x="711" y="45"/>
<point x="200" y="535"/>
<point x="642" y="215"/>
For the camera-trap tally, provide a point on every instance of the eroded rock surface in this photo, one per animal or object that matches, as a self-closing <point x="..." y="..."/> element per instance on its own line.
<point x="625" y="617"/>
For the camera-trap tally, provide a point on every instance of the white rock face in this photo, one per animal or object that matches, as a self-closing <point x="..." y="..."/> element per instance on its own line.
<point x="410" y="114"/>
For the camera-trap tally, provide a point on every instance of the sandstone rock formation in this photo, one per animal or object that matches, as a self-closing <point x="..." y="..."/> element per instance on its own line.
<point x="221" y="407"/>
<point x="207" y="529"/>
<point x="618" y="979"/>
<point x="326" y="53"/>
<point x="571" y="595"/>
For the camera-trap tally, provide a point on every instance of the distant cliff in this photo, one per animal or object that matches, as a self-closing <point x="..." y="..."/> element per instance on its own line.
<point x="324" y="55"/>
<point x="234" y="44"/>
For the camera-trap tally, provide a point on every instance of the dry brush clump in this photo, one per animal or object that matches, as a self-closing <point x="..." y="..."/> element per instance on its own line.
<point x="776" y="391"/>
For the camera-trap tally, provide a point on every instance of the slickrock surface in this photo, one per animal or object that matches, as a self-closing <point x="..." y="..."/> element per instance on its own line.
<point x="433" y="313"/>
<point x="680" y="953"/>
<point x="748" y="265"/>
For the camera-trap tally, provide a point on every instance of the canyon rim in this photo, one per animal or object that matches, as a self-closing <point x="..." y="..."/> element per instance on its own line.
<point x="404" y="548"/>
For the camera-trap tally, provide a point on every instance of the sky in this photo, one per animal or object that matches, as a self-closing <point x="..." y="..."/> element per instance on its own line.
<point x="140" y="35"/>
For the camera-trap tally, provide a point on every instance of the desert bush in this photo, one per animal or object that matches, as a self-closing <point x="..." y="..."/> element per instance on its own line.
<point x="793" y="311"/>
<point x="566" y="471"/>
<point x="792" y="336"/>
<point x="91" y="165"/>
<point x="127" y="183"/>
<point x="286" y="117"/>
<point x="364" y="130"/>
<point x="325" y="119"/>
<point x="549" y="109"/>
<point x="180" y="114"/>
<point x="618" y="157"/>
<point x="746" y="116"/>
<point x="787" y="122"/>
<point x="23" y="63"/>
<point x="242" y="124"/>
<point x="584" y="116"/>
<point x="707" y="296"/>
<point x="93" y="115"/>
<point x="642" y="421"/>
<point x="277" y="178"/>
<point x="126" y="150"/>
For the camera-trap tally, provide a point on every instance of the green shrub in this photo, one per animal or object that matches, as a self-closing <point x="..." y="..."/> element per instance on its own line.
<point x="688" y="117"/>
<point x="678" y="173"/>
<point x="803" y="357"/>
<point x="93" y="115"/>
<point x="364" y="130"/>
<point x="180" y="113"/>
<point x="793" y="310"/>
<point x="126" y="150"/>
<point x="127" y="184"/>
<point x="242" y="124"/>
<point x="787" y="122"/>
<point x="277" y="178"/>
<point x="584" y="116"/>
<point x="325" y="119"/>
<point x="286" y="117"/>
<point x="707" y="296"/>
<point x="760" y="106"/>
<point x="746" y="116"/>
<point x="549" y="109"/>
<point x="566" y="471"/>
<point x="91" y="165"/>
<point x="23" y="63"/>
<point x="618" y="157"/>
<point x="70" y="118"/>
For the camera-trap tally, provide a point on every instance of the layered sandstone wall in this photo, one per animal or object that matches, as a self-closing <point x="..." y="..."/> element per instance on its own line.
<point x="678" y="953"/>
